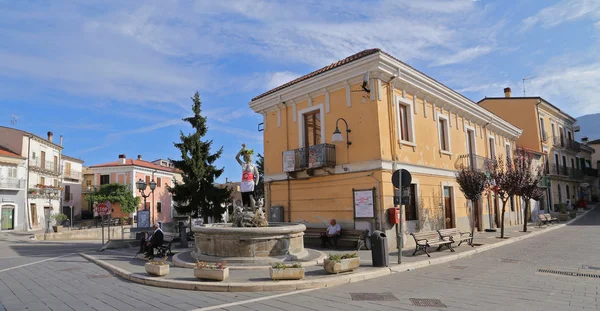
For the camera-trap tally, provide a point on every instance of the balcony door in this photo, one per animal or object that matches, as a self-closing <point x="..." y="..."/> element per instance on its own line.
<point x="471" y="148"/>
<point x="43" y="159"/>
<point x="68" y="169"/>
<point x="312" y="128"/>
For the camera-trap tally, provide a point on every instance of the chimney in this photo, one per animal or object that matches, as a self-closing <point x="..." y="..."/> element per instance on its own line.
<point x="507" y="92"/>
<point x="122" y="159"/>
<point x="50" y="136"/>
<point x="139" y="156"/>
<point x="61" y="140"/>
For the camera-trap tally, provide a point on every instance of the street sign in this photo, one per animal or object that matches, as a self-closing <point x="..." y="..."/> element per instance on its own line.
<point x="406" y="178"/>
<point x="71" y="203"/>
<point x="103" y="208"/>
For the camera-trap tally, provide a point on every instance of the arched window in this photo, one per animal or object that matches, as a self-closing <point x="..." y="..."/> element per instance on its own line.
<point x="559" y="194"/>
<point x="568" y="194"/>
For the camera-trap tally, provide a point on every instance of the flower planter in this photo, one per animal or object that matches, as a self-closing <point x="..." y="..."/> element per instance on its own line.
<point x="57" y="229"/>
<point x="344" y="265"/>
<point x="563" y="217"/>
<point x="211" y="274"/>
<point x="580" y="209"/>
<point x="158" y="270"/>
<point x="286" y="274"/>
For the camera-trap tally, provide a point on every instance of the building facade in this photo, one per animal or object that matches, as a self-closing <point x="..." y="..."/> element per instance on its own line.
<point x="13" y="191"/>
<point x="549" y="131"/>
<point x="128" y="172"/>
<point x="391" y="117"/>
<point x="72" y="176"/>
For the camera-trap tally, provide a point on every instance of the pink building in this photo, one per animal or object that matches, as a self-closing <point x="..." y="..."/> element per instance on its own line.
<point x="128" y="172"/>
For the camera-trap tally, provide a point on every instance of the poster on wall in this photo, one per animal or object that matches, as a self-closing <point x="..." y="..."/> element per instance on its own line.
<point x="143" y="219"/>
<point x="289" y="161"/>
<point x="364" y="203"/>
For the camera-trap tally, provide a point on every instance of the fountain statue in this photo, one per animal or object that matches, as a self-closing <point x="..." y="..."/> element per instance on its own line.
<point x="250" y="177"/>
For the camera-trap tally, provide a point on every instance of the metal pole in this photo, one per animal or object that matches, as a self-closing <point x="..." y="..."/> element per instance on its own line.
<point x="109" y="221"/>
<point x="399" y="226"/>
<point x="102" y="226"/>
<point x="71" y="227"/>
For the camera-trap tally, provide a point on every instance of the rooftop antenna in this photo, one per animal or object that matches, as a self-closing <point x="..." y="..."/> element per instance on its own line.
<point x="524" y="79"/>
<point x="14" y="120"/>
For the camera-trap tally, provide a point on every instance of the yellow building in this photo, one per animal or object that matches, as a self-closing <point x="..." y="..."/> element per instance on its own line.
<point x="549" y="131"/>
<point x="398" y="118"/>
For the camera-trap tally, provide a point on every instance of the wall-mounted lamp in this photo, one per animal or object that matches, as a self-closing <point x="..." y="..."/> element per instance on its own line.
<point x="337" y="135"/>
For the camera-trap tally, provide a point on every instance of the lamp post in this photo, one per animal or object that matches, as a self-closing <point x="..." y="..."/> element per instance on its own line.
<point x="51" y="193"/>
<point x="337" y="135"/>
<point x="142" y="186"/>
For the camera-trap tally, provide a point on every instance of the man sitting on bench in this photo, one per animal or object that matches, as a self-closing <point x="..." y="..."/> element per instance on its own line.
<point x="333" y="233"/>
<point x="156" y="239"/>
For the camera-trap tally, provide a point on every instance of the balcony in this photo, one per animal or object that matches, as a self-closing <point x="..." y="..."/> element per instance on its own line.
<point x="591" y="172"/>
<point x="46" y="166"/>
<point x="544" y="135"/>
<point x="12" y="183"/>
<point x="566" y="172"/>
<point x="567" y="144"/>
<point x="476" y="162"/>
<point x="313" y="157"/>
<point x="72" y="174"/>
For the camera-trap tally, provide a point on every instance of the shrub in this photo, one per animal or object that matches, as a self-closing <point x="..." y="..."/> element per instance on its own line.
<point x="159" y="262"/>
<point x="338" y="257"/>
<point x="205" y="265"/>
<point x="281" y="265"/>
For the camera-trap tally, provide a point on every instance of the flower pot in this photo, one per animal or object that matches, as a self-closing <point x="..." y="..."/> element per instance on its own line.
<point x="57" y="229"/>
<point x="286" y="274"/>
<point x="573" y="214"/>
<point x="344" y="265"/>
<point x="563" y="217"/>
<point x="158" y="270"/>
<point x="211" y="274"/>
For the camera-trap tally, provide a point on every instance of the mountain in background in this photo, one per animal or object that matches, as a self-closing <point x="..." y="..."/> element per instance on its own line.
<point x="590" y="126"/>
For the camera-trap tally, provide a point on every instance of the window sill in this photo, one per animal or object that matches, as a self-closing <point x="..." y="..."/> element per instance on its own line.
<point x="446" y="152"/>
<point x="407" y="143"/>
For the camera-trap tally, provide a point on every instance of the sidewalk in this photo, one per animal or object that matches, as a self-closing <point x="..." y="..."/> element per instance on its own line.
<point x="121" y="263"/>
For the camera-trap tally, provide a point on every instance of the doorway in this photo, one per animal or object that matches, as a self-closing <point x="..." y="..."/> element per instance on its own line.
<point x="7" y="218"/>
<point x="33" y="209"/>
<point x="449" y="222"/>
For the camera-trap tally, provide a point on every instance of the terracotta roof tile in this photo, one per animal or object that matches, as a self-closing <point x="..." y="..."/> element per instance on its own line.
<point x="7" y="153"/>
<point x="140" y="163"/>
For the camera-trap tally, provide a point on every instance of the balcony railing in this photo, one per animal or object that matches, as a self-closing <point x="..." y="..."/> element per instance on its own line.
<point x="72" y="174"/>
<point x="591" y="172"/>
<point x="474" y="161"/>
<point x="12" y="183"/>
<point x="317" y="156"/>
<point x="544" y="136"/>
<point x="45" y="165"/>
<point x="568" y="144"/>
<point x="566" y="171"/>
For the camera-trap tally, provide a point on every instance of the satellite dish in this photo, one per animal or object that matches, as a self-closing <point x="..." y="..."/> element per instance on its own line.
<point x="365" y="84"/>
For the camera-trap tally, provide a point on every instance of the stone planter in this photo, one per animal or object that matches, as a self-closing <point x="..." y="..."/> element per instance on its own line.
<point x="57" y="229"/>
<point x="158" y="270"/>
<point x="286" y="274"/>
<point x="580" y="209"/>
<point x="212" y="274"/>
<point x="563" y="217"/>
<point x="344" y="265"/>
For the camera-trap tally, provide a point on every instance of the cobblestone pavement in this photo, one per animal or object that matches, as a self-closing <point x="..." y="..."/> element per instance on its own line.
<point x="51" y="276"/>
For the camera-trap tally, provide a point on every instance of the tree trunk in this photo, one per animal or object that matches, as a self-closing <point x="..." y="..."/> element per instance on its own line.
<point x="502" y="219"/>
<point x="473" y="220"/>
<point x="525" y="212"/>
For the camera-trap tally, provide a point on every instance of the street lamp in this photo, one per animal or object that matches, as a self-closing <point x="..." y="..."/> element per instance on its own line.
<point x="337" y="135"/>
<point x="142" y="186"/>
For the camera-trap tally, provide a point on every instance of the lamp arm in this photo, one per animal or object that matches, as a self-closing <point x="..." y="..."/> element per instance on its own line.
<point x="347" y="130"/>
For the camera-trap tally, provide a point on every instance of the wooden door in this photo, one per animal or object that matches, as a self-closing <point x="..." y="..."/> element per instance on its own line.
<point x="33" y="209"/>
<point x="43" y="159"/>
<point x="449" y="221"/>
<point x="55" y="168"/>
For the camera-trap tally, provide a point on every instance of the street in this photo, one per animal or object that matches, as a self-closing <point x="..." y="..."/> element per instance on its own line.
<point x="51" y="276"/>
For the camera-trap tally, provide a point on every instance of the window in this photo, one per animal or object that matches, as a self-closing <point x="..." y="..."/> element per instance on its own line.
<point x="404" y="116"/>
<point x="512" y="203"/>
<point x="67" y="193"/>
<point x="55" y="168"/>
<point x="542" y="129"/>
<point x="147" y="180"/>
<point x="158" y="182"/>
<point x="43" y="160"/>
<point x="507" y="150"/>
<point x="312" y="128"/>
<point x="12" y="172"/>
<point x="553" y="130"/>
<point x="444" y="133"/>
<point x="568" y="194"/>
<point x="55" y="183"/>
<point x="559" y="194"/>
<point x="158" y="207"/>
<point x="68" y="168"/>
<point x="492" y="143"/>
<point x="104" y="179"/>
<point x="42" y="181"/>
<point x="572" y="163"/>
<point x="410" y="210"/>
<point x="88" y="183"/>
<point x="33" y="155"/>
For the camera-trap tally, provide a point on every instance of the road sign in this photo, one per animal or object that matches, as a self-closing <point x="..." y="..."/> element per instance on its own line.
<point x="71" y="203"/>
<point x="406" y="178"/>
<point x="103" y="208"/>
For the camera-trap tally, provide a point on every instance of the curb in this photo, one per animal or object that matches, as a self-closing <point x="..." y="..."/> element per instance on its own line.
<point x="188" y="265"/>
<point x="305" y="284"/>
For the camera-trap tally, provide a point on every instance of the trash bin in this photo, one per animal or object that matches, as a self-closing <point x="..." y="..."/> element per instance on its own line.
<point x="379" y="249"/>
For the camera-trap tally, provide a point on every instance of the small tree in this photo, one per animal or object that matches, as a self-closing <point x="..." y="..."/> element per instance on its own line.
<point x="259" y="190"/>
<point x="502" y="183"/>
<point x="527" y="181"/>
<point x="472" y="183"/>
<point x="116" y="193"/>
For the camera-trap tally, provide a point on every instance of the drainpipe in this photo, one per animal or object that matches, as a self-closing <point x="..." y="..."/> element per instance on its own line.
<point x="393" y="140"/>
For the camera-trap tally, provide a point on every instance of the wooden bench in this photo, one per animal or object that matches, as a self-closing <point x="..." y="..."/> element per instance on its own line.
<point x="545" y="219"/>
<point x="354" y="237"/>
<point x="551" y="218"/>
<point x="456" y="236"/>
<point x="426" y="239"/>
<point x="165" y="249"/>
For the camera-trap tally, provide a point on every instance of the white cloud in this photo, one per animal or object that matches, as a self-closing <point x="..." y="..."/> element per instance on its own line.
<point x="562" y="12"/>
<point x="463" y="56"/>
<point x="280" y="78"/>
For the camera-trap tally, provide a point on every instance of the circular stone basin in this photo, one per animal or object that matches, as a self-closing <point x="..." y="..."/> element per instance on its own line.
<point x="223" y="240"/>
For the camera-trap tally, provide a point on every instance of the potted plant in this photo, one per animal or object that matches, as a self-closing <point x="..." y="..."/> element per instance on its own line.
<point x="216" y="272"/>
<point x="157" y="267"/>
<point x="563" y="215"/>
<point x="572" y="214"/>
<point x="281" y="271"/>
<point x="59" y="219"/>
<point x="581" y="204"/>
<point x="337" y="263"/>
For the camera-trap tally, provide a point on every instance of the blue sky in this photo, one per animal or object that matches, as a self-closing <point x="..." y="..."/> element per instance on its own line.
<point x="116" y="76"/>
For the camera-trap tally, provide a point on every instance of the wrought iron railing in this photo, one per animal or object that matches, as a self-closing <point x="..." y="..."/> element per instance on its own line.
<point x="12" y="183"/>
<point x="317" y="156"/>
<point x="45" y="165"/>
<point x="568" y="144"/>
<point x="72" y="174"/>
<point x="474" y="161"/>
<point x="566" y="171"/>
<point x="591" y="172"/>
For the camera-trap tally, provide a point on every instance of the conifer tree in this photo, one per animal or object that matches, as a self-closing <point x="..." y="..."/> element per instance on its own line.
<point x="197" y="195"/>
<point x="259" y="190"/>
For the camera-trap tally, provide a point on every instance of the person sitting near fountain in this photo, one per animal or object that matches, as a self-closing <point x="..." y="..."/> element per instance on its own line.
<point x="156" y="240"/>
<point x="333" y="233"/>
